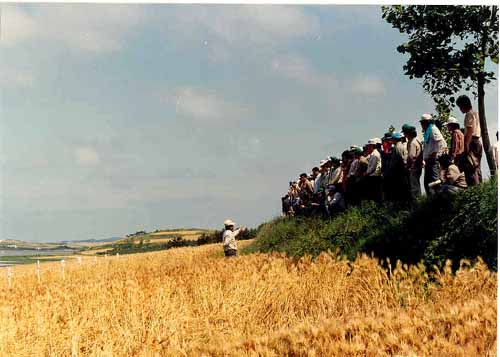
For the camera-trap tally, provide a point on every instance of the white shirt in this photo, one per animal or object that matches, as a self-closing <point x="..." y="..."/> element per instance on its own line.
<point x="436" y="143"/>
<point x="317" y="183"/>
<point x="374" y="164"/>
<point x="471" y="120"/>
<point x="353" y="168"/>
<point x="335" y="176"/>
<point x="229" y="239"/>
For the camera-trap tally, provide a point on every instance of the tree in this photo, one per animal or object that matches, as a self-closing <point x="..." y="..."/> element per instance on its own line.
<point x="448" y="48"/>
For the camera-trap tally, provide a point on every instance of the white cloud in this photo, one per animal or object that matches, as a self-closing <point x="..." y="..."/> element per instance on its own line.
<point x="204" y="107"/>
<point x="225" y="28"/>
<point x="90" y="29"/>
<point x="86" y="156"/>
<point x="106" y="28"/>
<point x="368" y="85"/>
<point x="17" y="25"/>
<point x="301" y="70"/>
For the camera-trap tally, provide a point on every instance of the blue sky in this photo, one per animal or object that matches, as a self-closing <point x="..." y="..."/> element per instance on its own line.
<point x="118" y="118"/>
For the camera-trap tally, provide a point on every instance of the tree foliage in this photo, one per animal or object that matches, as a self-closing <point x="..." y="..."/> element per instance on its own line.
<point x="447" y="45"/>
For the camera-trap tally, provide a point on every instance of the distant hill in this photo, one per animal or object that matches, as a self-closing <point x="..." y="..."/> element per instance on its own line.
<point x="95" y="244"/>
<point x="19" y="244"/>
<point x="103" y="240"/>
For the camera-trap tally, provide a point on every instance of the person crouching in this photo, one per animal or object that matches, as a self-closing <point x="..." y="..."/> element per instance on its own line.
<point x="229" y="238"/>
<point x="453" y="181"/>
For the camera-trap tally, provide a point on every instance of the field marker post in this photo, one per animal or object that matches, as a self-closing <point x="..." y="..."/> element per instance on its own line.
<point x="79" y="259"/>
<point x="117" y="256"/>
<point x="9" y="276"/>
<point x="62" y="268"/>
<point x="74" y="346"/>
<point x="95" y="259"/>
<point x="38" y="270"/>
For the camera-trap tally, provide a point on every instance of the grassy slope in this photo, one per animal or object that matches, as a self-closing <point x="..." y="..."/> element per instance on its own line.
<point x="158" y="240"/>
<point x="439" y="228"/>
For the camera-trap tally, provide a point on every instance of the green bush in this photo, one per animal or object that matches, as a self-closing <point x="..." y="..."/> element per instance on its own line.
<point x="437" y="228"/>
<point x="470" y="230"/>
<point x="216" y="236"/>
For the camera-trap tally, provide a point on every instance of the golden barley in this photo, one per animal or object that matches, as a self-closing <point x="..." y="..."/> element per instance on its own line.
<point x="193" y="301"/>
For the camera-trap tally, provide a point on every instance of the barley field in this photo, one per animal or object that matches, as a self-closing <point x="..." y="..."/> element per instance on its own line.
<point x="195" y="302"/>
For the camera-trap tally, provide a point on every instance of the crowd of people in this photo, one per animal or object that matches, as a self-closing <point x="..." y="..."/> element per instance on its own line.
<point x="390" y="168"/>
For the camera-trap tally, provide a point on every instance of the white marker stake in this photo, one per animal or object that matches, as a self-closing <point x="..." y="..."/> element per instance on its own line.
<point x="62" y="268"/>
<point x="95" y="259"/>
<point x="38" y="270"/>
<point x="79" y="259"/>
<point x="117" y="255"/>
<point x="9" y="276"/>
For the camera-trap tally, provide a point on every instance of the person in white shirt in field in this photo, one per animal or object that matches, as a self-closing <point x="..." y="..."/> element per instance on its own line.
<point x="229" y="238"/>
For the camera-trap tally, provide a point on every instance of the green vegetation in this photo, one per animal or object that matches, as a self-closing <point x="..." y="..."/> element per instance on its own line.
<point x="177" y="240"/>
<point x="463" y="226"/>
<point x="450" y="49"/>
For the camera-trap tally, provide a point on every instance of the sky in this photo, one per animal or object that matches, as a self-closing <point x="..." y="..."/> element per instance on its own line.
<point x="120" y="118"/>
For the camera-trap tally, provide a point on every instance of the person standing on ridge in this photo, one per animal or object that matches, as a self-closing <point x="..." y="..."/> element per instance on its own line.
<point x="434" y="147"/>
<point x="473" y="147"/>
<point x="414" y="160"/>
<point x="457" y="140"/>
<point x="229" y="238"/>
<point x="373" y="174"/>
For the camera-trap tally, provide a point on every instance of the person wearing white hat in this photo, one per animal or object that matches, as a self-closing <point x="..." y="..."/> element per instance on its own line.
<point x="325" y="168"/>
<point x="373" y="172"/>
<point x="229" y="238"/>
<point x="434" y="146"/>
<point x="457" y="139"/>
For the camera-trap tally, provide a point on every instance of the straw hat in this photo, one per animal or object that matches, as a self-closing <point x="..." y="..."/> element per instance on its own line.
<point x="426" y="117"/>
<point x="228" y="222"/>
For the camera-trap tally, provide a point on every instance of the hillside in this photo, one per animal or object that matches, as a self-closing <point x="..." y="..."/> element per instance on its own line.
<point x="19" y="244"/>
<point x="193" y="301"/>
<point x="463" y="226"/>
<point x="148" y="241"/>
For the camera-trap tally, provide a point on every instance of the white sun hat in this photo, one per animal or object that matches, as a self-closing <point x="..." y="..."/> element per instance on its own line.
<point x="426" y="117"/>
<point x="372" y="141"/>
<point x="323" y="162"/>
<point x="452" y="120"/>
<point x="228" y="222"/>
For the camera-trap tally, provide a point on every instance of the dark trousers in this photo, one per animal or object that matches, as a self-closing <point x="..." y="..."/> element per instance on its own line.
<point x="450" y="189"/>
<point x="472" y="163"/>
<point x="431" y="173"/>
<point x="230" y="252"/>
<point x="351" y="194"/>
<point x="414" y="183"/>
<point x="373" y="188"/>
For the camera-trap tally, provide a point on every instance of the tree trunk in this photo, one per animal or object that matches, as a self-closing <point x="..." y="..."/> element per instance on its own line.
<point x="484" y="127"/>
<point x="480" y="91"/>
